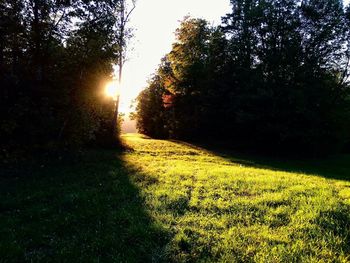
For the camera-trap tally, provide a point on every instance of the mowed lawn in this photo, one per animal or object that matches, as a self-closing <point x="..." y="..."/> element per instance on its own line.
<point x="164" y="201"/>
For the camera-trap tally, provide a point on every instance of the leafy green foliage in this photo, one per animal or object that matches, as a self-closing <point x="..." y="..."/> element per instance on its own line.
<point x="151" y="110"/>
<point x="55" y="58"/>
<point x="274" y="76"/>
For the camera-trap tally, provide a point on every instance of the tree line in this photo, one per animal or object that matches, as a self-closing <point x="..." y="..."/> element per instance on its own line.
<point x="274" y="76"/>
<point x="55" y="60"/>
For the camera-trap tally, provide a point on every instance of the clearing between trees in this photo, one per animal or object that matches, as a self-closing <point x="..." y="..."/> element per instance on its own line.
<point x="171" y="201"/>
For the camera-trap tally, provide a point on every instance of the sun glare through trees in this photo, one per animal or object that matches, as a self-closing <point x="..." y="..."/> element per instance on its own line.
<point x="242" y="109"/>
<point x="112" y="89"/>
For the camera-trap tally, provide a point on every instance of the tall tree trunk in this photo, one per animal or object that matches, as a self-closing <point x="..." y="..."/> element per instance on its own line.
<point x="123" y="19"/>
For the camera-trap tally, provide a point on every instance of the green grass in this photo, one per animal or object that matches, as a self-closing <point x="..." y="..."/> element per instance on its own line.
<point x="168" y="201"/>
<point x="83" y="211"/>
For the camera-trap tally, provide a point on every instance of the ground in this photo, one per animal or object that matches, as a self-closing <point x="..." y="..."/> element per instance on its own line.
<point x="168" y="201"/>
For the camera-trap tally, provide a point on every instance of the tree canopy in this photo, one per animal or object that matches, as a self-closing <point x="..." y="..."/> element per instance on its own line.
<point x="55" y="59"/>
<point x="273" y="77"/>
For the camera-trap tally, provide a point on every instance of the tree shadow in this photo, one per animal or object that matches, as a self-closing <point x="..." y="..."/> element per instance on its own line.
<point x="83" y="211"/>
<point x="332" y="167"/>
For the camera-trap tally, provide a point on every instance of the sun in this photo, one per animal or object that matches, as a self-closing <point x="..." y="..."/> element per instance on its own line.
<point x="112" y="89"/>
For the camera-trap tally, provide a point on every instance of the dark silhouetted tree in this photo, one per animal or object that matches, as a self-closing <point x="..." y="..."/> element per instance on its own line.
<point x="273" y="77"/>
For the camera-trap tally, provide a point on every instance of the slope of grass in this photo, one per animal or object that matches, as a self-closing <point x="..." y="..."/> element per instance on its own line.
<point x="230" y="210"/>
<point x="164" y="201"/>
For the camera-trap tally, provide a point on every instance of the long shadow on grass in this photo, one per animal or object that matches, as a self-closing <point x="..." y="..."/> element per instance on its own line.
<point x="83" y="211"/>
<point x="333" y="167"/>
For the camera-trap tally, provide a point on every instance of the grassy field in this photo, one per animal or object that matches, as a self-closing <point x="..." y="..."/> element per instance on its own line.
<point x="165" y="201"/>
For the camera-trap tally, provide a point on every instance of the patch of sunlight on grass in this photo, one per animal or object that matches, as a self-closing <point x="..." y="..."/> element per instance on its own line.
<point x="217" y="209"/>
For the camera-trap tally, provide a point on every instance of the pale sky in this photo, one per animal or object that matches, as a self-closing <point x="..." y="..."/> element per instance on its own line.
<point x="155" y="22"/>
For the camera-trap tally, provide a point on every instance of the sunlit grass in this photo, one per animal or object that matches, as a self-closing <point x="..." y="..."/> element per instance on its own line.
<point x="219" y="210"/>
<point x="163" y="201"/>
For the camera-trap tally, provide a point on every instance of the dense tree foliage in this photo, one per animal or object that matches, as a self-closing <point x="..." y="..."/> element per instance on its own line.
<point x="273" y="76"/>
<point x="55" y="59"/>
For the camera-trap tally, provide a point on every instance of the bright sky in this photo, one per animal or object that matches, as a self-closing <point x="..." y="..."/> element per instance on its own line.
<point x="155" y="22"/>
